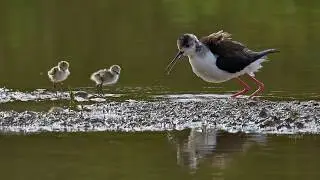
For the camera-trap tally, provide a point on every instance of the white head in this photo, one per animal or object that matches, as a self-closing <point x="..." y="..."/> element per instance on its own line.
<point x="63" y="65"/>
<point x="187" y="44"/>
<point x="115" y="69"/>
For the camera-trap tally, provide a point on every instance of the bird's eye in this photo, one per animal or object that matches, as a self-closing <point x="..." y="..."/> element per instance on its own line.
<point x="187" y="45"/>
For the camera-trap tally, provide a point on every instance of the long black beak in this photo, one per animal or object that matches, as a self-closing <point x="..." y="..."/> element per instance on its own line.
<point x="173" y="62"/>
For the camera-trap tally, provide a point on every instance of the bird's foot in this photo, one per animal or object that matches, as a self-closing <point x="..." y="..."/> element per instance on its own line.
<point x="259" y="90"/>
<point x="99" y="89"/>
<point x="240" y="93"/>
<point x="260" y="85"/>
<point x="255" y="98"/>
<point x="245" y="86"/>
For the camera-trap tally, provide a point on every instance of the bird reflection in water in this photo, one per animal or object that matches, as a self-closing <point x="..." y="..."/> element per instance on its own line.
<point x="206" y="145"/>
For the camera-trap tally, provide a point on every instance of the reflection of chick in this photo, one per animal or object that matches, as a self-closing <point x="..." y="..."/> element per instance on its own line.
<point x="59" y="73"/>
<point x="55" y="109"/>
<point x="105" y="77"/>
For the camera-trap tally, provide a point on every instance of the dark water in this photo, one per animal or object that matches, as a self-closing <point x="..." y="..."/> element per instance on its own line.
<point x="188" y="154"/>
<point x="141" y="36"/>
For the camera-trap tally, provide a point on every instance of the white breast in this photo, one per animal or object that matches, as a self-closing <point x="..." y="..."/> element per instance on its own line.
<point x="205" y="67"/>
<point x="61" y="75"/>
<point x="111" y="81"/>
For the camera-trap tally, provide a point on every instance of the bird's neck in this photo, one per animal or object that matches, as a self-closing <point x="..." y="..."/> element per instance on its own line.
<point x="65" y="70"/>
<point x="200" y="51"/>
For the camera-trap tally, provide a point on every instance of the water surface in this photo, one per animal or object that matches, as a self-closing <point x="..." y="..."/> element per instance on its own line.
<point x="141" y="36"/>
<point x="188" y="154"/>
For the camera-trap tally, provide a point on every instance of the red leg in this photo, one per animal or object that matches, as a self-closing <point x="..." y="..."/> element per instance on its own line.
<point x="259" y="83"/>
<point x="246" y="88"/>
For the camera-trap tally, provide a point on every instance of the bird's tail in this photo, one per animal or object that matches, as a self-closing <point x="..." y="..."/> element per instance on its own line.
<point x="266" y="52"/>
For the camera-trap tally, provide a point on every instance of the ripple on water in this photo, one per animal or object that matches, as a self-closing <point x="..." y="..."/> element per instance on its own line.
<point x="7" y="95"/>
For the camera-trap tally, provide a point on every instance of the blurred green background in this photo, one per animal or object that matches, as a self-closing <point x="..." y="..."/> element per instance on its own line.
<point x="141" y="36"/>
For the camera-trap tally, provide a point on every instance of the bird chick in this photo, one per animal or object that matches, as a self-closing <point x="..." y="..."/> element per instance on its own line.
<point x="104" y="77"/>
<point x="59" y="73"/>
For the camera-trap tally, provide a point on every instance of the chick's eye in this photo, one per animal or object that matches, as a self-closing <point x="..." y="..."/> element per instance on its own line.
<point x="187" y="45"/>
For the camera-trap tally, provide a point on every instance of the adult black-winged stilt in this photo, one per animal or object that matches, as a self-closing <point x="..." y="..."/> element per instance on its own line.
<point x="217" y="58"/>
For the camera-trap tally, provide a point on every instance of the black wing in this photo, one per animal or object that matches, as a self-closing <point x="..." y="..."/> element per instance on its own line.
<point x="232" y="55"/>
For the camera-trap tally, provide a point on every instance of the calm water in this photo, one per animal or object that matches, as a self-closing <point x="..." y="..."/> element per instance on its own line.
<point x="188" y="154"/>
<point x="141" y="36"/>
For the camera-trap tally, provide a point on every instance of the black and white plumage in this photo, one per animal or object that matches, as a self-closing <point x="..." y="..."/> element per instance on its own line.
<point x="59" y="73"/>
<point x="105" y="77"/>
<point x="217" y="58"/>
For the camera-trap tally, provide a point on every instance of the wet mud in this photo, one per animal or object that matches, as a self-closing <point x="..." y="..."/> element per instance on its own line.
<point x="92" y="112"/>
